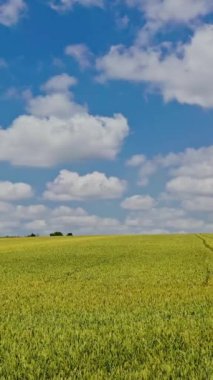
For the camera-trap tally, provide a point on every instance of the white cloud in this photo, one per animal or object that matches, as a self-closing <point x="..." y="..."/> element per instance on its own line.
<point x="8" y="227"/>
<point x="14" y="218"/>
<point x="63" y="211"/>
<point x="14" y="191"/>
<point x="38" y="225"/>
<point x="183" y="73"/>
<point x="81" y="53"/>
<point x="189" y="185"/>
<point x="147" y="170"/>
<point x="138" y="202"/>
<point x="91" y="224"/>
<point x="146" y="167"/>
<point x="194" y="163"/>
<point x="198" y="204"/>
<point x="11" y="11"/>
<point x="136" y="160"/>
<point x="190" y="177"/>
<point x="168" y="219"/>
<point x="58" y="140"/>
<point x="77" y="220"/>
<point x="192" y="181"/>
<point x="29" y="212"/>
<point x="61" y="131"/>
<point x="65" y="5"/>
<point x="19" y="219"/>
<point x="166" y="15"/>
<point x="189" y="163"/>
<point x="5" y="207"/>
<point x="160" y="12"/>
<point x="58" y="105"/>
<point x="71" y="186"/>
<point x="59" y="83"/>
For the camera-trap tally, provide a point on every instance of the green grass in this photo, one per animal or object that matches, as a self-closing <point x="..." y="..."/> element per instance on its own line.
<point x="106" y="308"/>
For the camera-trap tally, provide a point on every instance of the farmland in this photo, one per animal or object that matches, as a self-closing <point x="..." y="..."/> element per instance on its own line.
<point x="133" y="307"/>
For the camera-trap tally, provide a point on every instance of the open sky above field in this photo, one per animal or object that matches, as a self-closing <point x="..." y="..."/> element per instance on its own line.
<point x="106" y="121"/>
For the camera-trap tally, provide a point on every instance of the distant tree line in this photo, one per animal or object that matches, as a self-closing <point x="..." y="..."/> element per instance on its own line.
<point x="58" y="233"/>
<point x="32" y="235"/>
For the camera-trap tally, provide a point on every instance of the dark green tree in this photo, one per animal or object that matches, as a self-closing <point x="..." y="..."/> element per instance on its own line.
<point x="57" y="233"/>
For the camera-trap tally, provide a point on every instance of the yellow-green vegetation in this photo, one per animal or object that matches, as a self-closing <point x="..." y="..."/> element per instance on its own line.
<point x="106" y="308"/>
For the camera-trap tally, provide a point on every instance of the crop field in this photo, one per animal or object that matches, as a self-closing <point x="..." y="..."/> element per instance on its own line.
<point x="130" y="307"/>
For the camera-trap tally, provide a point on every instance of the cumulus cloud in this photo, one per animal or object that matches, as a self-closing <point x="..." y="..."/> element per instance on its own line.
<point x="190" y="175"/>
<point x="80" y="220"/>
<point x="192" y="181"/>
<point x="136" y="160"/>
<point x="30" y="212"/>
<point x="15" y="219"/>
<point x="71" y="186"/>
<point x="182" y="73"/>
<point x="198" y="204"/>
<point x="65" y="5"/>
<point x="19" y="219"/>
<point x="168" y="219"/>
<point x="58" y="140"/>
<point x="14" y="191"/>
<point x="81" y="53"/>
<point x="161" y="13"/>
<point x="8" y="227"/>
<point x="58" y="105"/>
<point x="189" y="163"/>
<point x="5" y="207"/>
<point x="61" y="130"/>
<point x="188" y="185"/>
<point x="38" y="225"/>
<point x="172" y="10"/>
<point x="59" y="83"/>
<point x="11" y="11"/>
<point x="138" y="202"/>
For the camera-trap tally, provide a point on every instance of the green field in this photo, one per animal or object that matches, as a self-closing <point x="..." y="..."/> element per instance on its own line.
<point x="106" y="308"/>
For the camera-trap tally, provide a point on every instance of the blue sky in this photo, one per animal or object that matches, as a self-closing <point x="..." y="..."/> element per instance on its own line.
<point x="106" y="116"/>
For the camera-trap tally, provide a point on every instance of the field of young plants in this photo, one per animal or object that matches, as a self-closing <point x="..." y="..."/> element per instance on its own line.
<point x="136" y="307"/>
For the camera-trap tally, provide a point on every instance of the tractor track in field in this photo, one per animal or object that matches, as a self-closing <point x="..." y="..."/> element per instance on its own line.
<point x="209" y="248"/>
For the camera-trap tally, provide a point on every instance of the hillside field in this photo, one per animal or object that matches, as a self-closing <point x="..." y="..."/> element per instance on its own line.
<point x="122" y="307"/>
